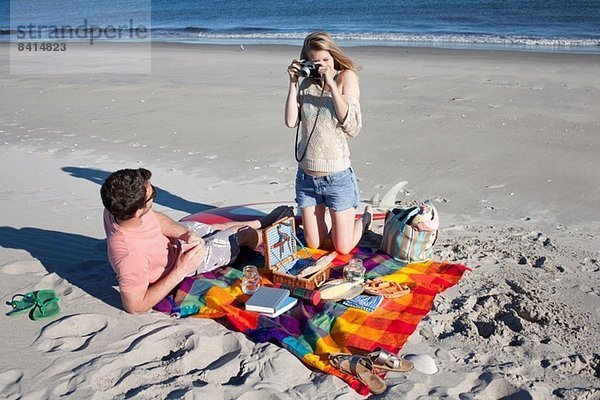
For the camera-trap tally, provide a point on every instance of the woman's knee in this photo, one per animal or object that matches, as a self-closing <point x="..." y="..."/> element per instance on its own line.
<point x="312" y="241"/>
<point x="342" y="246"/>
<point x="343" y="231"/>
<point x="315" y="226"/>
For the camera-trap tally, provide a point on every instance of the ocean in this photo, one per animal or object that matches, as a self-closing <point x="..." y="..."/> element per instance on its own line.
<point x="531" y="25"/>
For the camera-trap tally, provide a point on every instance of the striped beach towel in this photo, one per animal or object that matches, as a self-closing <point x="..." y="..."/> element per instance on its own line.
<point x="313" y="332"/>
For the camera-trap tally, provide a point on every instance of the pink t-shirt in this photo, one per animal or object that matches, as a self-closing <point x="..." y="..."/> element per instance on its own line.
<point x="140" y="256"/>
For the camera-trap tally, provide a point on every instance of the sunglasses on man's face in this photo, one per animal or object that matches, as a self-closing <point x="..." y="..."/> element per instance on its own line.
<point x="153" y="195"/>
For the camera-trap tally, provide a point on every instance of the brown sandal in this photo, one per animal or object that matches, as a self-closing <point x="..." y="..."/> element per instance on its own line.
<point x="360" y="367"/>
<point x="383" y="360"/>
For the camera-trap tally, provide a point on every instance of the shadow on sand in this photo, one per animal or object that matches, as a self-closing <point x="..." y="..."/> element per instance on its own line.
<point x="163" y="197"/>
<point x="79" y="259"/>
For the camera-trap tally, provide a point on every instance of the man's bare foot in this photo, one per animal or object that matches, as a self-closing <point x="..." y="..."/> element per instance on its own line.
<point x="367" y="218"/>
<point x="249" y="237"/>
<point x="275" y="215"/>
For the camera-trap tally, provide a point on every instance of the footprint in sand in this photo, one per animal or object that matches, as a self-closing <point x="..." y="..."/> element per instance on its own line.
<point x="33" y="267"/>
<point x="577" y="393"/>
<point x="225" y="363"/>
<point x="587" y="289"/>
<point x="259" y="394"/>
<point x="280" y="366"/>
<point x="10" y="384"/>
<point x="576" y="364"/>
<point x="493" y="386"/>
<point x="157" y="354"/>
<point x="219" y="355"/>
<point x="71" y="333"/>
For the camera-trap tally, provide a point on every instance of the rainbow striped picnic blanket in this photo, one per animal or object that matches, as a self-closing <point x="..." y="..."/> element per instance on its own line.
<point x="311" y="333"/>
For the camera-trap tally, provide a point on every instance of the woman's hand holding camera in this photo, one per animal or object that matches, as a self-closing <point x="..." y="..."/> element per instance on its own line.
<point x="293" y="71"/>
<point x="327" y="73"/>
<point x="310" y="69"/>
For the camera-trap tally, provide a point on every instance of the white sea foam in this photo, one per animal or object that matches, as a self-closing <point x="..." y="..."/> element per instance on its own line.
<point x="260" y="36"/>
<point x="393" y="37"/>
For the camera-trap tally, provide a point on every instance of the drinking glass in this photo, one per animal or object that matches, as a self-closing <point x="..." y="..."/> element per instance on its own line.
<point x="251" y="280"/>
<point x="354" y="271"/>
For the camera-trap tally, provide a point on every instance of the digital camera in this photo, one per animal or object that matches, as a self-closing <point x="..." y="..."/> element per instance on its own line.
<point x="309" y="69"/>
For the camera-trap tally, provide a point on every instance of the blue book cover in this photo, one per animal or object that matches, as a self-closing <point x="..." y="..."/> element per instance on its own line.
<point x="267" y="299"/>
<point x="283" y="307"/>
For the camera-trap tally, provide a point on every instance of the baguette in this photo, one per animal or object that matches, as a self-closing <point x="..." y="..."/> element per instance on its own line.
<point x="336" y="291"/>
<point x="320" y="265"/>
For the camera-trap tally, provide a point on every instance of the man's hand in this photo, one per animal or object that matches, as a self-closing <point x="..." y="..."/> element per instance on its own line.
<point x="190" y="237"/>
<point x="188" y="262"/>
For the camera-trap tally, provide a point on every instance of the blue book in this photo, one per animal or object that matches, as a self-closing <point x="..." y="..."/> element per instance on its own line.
<point x="267" y="299"/>
<point x="283" y="307"/>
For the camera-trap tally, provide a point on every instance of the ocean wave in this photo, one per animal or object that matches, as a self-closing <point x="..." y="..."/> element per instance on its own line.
<point x="392" y="38"/>
<point x="474" y="39"/>
<point x="194" y="34"/>
<point x="239" y="30"/>
<point x="225" y="32"/>
<point x="7" y="32"/>
<point x="248" y="29"/>
<point x="191" y="29"/>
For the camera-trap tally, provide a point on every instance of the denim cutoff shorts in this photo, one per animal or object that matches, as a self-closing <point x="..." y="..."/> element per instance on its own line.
<point x="338" y="191"/>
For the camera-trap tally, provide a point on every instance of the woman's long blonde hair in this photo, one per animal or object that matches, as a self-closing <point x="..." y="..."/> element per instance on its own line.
<point x="322" y="41"/>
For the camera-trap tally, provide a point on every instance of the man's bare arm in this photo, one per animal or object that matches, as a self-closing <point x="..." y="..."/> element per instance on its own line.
<point x="186" y="264"/>
<point x="169" y="227"/>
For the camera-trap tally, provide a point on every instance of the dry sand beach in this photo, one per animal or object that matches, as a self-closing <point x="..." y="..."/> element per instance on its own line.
<point x="506" y="143"/>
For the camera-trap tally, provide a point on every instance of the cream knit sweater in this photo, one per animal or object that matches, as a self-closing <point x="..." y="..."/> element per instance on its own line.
<point x="328" y="149"/>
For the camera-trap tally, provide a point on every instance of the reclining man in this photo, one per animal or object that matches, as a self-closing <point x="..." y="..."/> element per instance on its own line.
<point x="151" y="253"/>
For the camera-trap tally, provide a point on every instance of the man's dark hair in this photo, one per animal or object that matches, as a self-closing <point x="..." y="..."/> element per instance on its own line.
<point x="124" y="192"/>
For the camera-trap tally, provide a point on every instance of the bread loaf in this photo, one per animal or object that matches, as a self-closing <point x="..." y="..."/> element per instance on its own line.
<point x="336" y="291"/>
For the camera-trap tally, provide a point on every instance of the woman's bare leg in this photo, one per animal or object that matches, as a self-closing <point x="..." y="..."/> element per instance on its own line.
<point x="347" y="231"/>
<point x="315" y="225"/>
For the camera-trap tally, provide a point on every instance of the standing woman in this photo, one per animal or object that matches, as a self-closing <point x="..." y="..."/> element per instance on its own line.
<point x="326" y="111"/>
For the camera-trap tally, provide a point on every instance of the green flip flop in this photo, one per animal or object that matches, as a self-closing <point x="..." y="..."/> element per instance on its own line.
<point x="21" y="303"/>
<point x="46" y="305"/>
